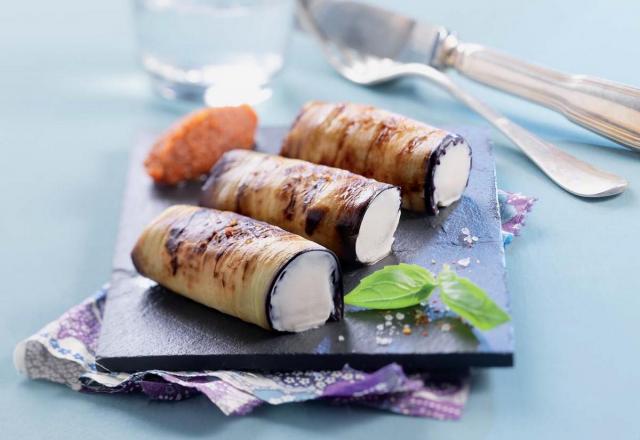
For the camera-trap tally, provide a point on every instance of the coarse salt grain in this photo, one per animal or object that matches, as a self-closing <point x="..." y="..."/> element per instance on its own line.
<point x="399" y="316"/>
<point x="340" y="338"/>
<point x="464" y="262"/>
<point x="445" y="327"/>
<point x="383" y="340"/>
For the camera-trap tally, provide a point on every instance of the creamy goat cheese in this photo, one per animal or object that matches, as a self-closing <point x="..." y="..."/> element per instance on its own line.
<point x="378" y="227"/>
<point x="451" y="174"/>
<point x="303" y="294"/>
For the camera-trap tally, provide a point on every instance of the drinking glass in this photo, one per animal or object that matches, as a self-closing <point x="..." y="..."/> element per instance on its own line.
<point x="222" y="52"/>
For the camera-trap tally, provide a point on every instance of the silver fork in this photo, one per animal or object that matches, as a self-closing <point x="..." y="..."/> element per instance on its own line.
<point x="569" y="172"/>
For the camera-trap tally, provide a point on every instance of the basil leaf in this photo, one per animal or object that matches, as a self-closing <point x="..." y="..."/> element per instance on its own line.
<point x="393" y="287"/>
<point x="469" y="301"/>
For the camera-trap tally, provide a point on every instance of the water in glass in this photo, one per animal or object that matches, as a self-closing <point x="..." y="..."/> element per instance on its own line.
<point x="219" y="51"/>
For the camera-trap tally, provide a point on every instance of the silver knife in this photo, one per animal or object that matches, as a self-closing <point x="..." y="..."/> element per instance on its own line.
<point x="604" y="107"/>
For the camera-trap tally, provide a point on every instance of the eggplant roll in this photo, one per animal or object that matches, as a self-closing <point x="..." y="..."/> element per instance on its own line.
<point x="353" y="216"/>
<point x="430" y="165"/>
<point x="243" y="267"/>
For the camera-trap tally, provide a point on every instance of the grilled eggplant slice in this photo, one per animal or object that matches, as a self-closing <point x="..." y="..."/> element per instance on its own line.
<point x="353" y="216"/>
<point x="243" y="267"/>
<point x="430" y="165"/>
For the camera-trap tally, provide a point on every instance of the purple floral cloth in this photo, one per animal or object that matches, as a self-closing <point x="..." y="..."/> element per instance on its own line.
<point x="514" y="207"/>
<point x="64" y="352"/>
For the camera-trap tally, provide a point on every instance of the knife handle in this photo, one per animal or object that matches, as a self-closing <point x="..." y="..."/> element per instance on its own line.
<point x="605" y="107"/>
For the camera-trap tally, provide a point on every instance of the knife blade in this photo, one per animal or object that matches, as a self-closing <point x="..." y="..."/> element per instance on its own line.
<point x="604" y="107"/>
<point x="379" y="32"/>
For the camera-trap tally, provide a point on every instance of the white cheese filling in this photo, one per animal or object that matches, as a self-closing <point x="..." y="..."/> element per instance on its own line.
<point x="302" y="296"/>
<point x="451" y="174"/>
<point x="378" y="227"/>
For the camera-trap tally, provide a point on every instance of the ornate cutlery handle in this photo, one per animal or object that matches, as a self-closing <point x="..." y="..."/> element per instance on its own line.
<point x="569" y="172"/>
<point x="605" y="107"/>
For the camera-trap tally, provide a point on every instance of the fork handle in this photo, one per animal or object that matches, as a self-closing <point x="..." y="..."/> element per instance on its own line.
<point x="569" y="172"/>
<point x="605" y="107"/>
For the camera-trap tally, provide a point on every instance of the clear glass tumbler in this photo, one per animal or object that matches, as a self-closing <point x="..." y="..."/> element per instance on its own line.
<point x="221" y="52"/>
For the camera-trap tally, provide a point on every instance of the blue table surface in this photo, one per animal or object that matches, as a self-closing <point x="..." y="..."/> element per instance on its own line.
<point x="73" y="100"/>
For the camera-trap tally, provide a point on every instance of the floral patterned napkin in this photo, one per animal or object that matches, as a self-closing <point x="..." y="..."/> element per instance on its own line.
<point x="64" y="352"/>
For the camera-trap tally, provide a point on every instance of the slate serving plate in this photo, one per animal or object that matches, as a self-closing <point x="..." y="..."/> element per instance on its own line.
<point x="146" y="327"/>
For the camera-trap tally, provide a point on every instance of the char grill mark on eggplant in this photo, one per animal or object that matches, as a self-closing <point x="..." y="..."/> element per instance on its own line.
<point x="232" y="263"/>
<point x="326" y="205"/>
<point x="383" y="146"/>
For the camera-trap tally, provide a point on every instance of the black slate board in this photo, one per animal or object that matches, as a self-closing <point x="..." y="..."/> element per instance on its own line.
<point x="150" y="328"/>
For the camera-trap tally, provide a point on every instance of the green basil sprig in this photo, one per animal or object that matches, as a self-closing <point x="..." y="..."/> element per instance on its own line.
<point x="406" y="285"/>
<point x="393" y="287"/>
<point x="469" y="301"/>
